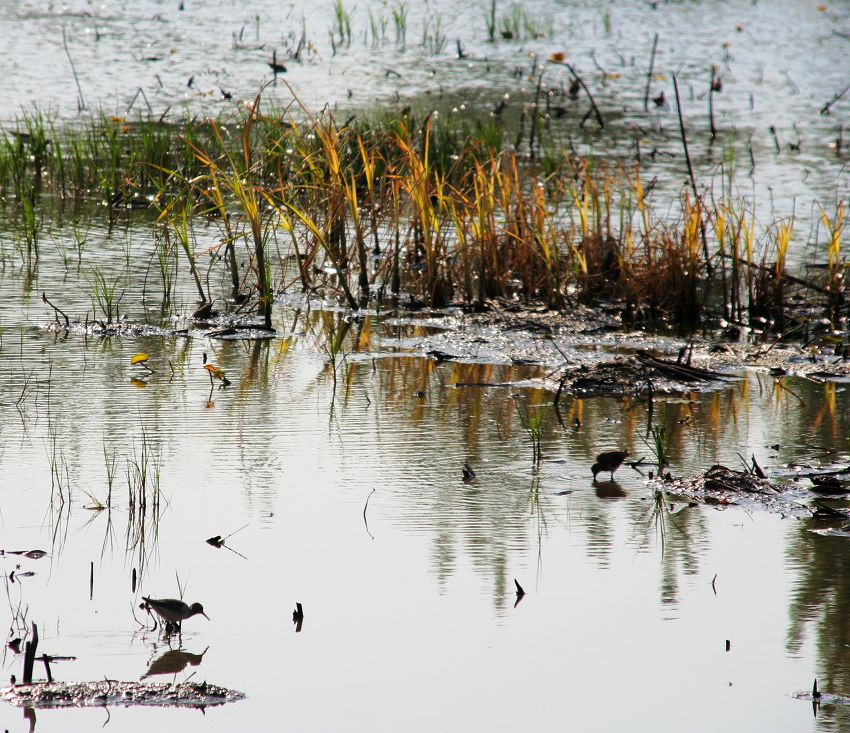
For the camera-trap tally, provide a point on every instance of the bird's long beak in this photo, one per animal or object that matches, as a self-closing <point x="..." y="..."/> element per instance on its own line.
<point x="205" y="616"/>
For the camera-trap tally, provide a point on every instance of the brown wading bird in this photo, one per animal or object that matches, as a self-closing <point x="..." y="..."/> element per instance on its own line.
<point x="609" y="461"/>
<point x="172" y="611"/>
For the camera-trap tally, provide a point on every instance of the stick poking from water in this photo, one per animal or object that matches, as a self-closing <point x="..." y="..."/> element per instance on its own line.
<point x="649" y="73"/>
<point x="825" y="109"/>
<point x="81" y="103"/>
<point x="697" y="198"/>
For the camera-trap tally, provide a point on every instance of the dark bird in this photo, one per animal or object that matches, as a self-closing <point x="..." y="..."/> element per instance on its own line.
<point x="275" y="66"/>
<point x="610" y="461"/>
<point x="659" y="100"/>
<point x="575" y="88"/>
<point x="467" y="473"/>
<point x="172" y="611"/>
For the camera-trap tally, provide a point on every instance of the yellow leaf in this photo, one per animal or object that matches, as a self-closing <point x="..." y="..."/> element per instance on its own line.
<point x="139" y="359"/>
<point x="558" y="56"/>
<point x="215" y="371"/>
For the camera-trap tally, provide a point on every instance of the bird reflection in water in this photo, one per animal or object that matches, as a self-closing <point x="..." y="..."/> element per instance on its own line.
<point x="608" y="490"/>
<point x="174" y="661"/>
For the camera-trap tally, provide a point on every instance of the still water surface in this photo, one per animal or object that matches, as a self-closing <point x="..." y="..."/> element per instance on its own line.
<point x="409" y="599"/>
<point x="409" y="615"/>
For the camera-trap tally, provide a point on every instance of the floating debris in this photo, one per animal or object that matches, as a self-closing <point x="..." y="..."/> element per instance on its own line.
<point x="114" y="692"/>
<point x="31" y="554"/>
<point x="721" y="486"/>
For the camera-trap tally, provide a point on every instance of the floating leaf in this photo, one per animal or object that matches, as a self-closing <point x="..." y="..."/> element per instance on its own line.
<point x="139" y="359"/>
<point x="558" y="56"/>
<point x="214" y="370"/>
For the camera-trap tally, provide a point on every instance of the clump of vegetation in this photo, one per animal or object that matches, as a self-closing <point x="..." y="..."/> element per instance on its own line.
<point x="430" y="211"/>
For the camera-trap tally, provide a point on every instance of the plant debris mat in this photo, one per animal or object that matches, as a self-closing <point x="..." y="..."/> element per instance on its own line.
<point x="111" y="692"/>
<point x="721" y="486"/>
<point x="633" y="375"/>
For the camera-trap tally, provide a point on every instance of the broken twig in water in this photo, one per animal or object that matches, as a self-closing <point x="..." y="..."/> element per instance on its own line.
<point x="365" y="521"/>
<point x="825" y="109"/>
<point x="56" y="311"/>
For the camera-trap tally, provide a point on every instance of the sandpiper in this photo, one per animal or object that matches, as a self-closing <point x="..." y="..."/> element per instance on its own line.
<point x="610" y="461"/>
<point x="172" y="611"/>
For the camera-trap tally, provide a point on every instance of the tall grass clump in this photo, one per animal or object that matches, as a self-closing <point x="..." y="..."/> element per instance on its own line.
<point x="430" y="210"/>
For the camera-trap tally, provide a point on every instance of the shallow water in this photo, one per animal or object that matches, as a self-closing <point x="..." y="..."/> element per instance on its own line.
<point x="355" y="507"/>
<point x="349" y="499"/>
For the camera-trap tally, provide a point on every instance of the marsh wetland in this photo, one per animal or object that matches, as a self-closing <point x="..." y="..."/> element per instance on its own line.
<point x="324" y="317"/>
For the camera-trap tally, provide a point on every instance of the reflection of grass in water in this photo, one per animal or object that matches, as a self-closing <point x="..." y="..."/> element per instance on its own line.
<point x="144" y="507"/>
<point x="335" y="330"/>
<point x="144" y="500"/>
<point x="535" y="506"/>
<point x="531" y="419"/>
<point x="659" y="444"/>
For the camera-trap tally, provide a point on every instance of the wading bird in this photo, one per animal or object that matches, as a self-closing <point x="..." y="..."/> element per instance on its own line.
<point x="610" y="461"/>
<point x="172" y="611"/>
